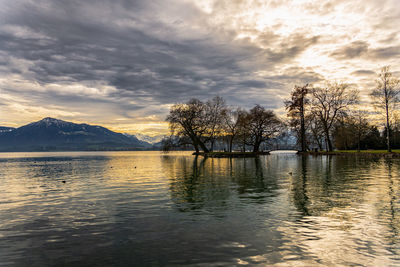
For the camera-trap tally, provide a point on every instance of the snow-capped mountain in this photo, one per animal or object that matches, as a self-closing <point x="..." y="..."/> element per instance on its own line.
<point x="53" y="134"/>
<point x="148" y="139"/>
<point x="6" y="129"/>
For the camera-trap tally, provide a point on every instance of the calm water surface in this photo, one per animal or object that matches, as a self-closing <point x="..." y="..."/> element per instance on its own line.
<point x="151" y="209"/>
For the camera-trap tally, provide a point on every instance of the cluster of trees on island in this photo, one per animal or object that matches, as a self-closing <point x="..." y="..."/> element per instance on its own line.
<point x="322" y="118"/>
<point x="203" y="124"/>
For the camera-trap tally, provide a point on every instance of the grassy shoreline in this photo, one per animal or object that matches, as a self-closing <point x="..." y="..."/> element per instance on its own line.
<point x="371" y="153"/>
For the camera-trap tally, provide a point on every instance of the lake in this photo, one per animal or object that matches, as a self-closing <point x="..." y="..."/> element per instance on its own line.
<point x="155" y="209"/>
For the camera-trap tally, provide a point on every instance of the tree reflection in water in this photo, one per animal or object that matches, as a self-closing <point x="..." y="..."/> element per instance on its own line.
<point x="208" y="182"/>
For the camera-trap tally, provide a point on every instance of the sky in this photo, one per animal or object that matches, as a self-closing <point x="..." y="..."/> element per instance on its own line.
<point x="122" y="64"/>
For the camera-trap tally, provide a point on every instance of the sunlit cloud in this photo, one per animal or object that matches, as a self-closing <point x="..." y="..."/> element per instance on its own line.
<point x="121" y="64"/>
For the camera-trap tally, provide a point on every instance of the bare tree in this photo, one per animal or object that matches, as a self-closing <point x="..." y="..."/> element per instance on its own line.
<point x="385" y="97"/>
<point x="215" y="113"/>
<point x="361" y="123"/>
<point x="188" y="120"/>
<point x="328" y="102"/>
<point x="316" y="132"/>
<point x="296" y="111"/>
<point x="232" y="119"/>
<point x="350" y="129"/>
<point x="262" y="125"/>
<point x="242" y="129"/>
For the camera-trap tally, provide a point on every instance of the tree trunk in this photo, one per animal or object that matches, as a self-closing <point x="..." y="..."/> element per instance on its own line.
<point x="256" y="147"/>
<point x="203" y="146"/>
<point x="196" y="147"/>
<point x="319" y="143"/>
<point x="389" y="149"/>
<point x="197" y="142"/>
<point x="327" y="137"/>
<point x="328" y="140"/>
<point x="303" y="128"/>
<point x="230" y="144"/>
<point x="359" y="136"/>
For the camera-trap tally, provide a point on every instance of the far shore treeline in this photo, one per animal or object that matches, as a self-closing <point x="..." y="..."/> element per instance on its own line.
<point x="322" y="118"/>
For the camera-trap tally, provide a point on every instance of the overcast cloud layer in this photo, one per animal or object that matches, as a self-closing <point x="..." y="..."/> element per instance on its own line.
<point x="122" y="63"/>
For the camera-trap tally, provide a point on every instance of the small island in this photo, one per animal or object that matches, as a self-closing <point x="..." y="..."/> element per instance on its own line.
<point x="231" y="154"/>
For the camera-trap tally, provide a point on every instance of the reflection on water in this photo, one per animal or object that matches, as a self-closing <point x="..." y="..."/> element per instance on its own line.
<point x="149" y="208"/>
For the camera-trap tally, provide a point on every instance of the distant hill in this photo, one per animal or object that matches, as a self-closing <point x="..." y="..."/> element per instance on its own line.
<point x="56" y="135"/>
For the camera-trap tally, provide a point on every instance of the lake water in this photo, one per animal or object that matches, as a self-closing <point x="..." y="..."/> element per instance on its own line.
<point x="151" y="209"/>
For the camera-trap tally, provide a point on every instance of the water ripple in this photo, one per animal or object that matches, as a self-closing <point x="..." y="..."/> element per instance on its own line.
<point x="148" y="208"/>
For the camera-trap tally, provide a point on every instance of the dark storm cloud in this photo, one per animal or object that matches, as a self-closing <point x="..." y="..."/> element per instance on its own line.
<point x="352" y="50"/>
<point x="291" y="47"/>
<point x="363" y="72"/>
<point x="386" y="52"/>
<point x="363" y="49"/>
<point x="298" y="75"/>
<point x="126" y="45"/>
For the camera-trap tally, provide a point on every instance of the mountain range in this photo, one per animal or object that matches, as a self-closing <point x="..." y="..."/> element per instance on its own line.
<point x="51" y="134"/>
<point x="149" y="139"/>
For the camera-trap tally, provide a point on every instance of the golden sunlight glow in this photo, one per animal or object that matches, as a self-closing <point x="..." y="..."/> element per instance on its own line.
<point x="344" y="41"/>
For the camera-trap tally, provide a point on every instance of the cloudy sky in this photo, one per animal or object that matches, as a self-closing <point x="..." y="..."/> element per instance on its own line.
<point x="123" y="63"/>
